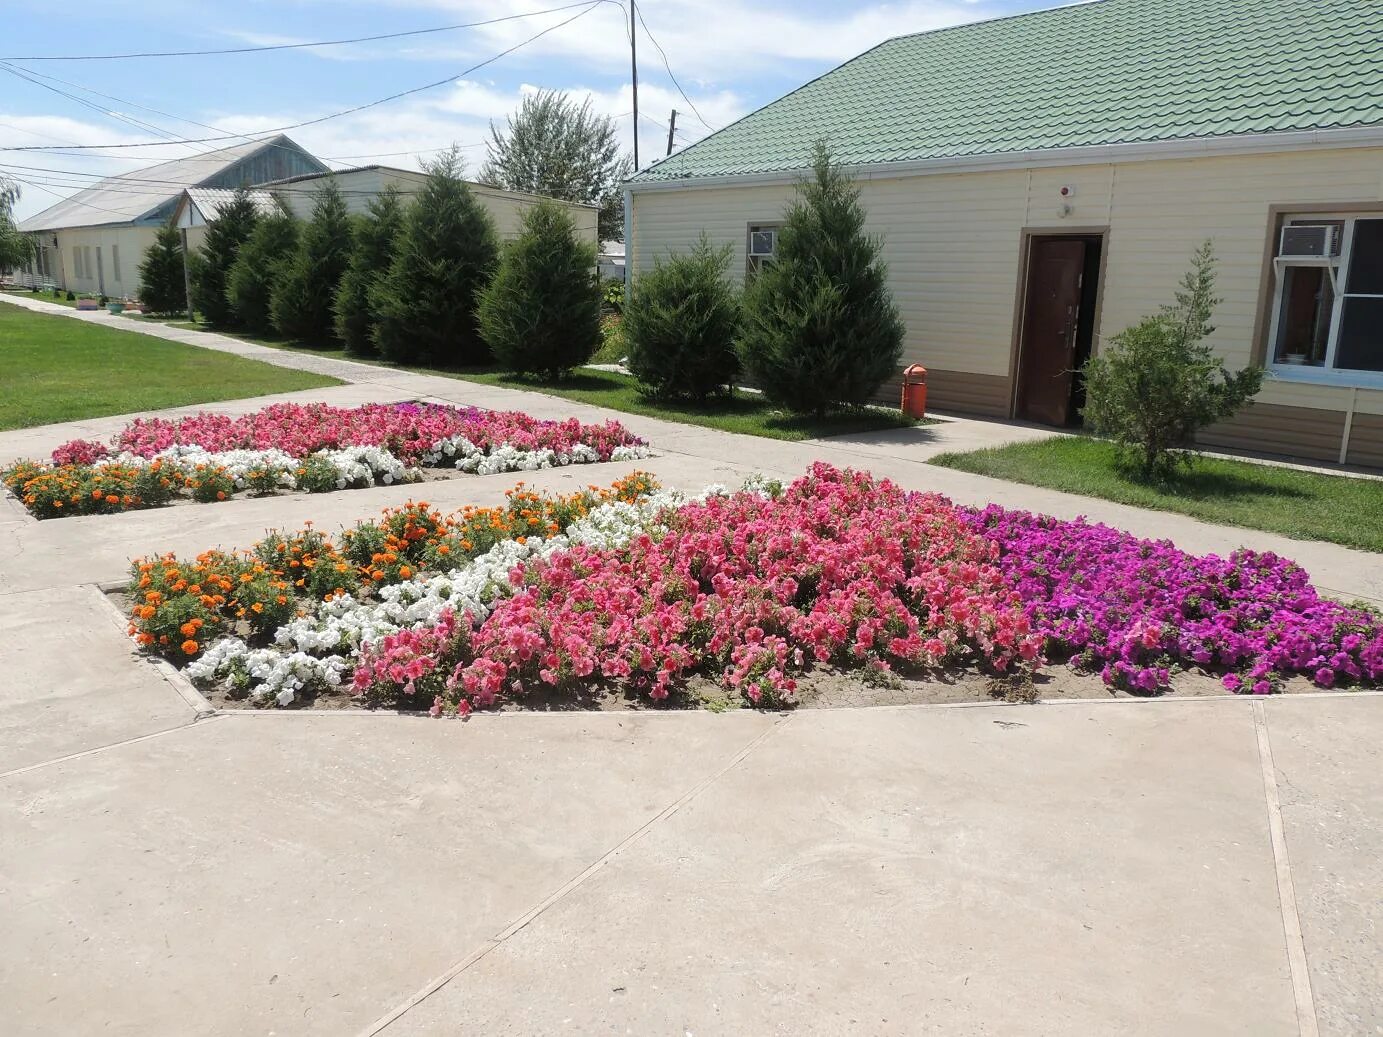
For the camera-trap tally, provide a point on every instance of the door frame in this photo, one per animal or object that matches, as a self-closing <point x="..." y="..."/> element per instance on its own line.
<point x="1020" y="296"/>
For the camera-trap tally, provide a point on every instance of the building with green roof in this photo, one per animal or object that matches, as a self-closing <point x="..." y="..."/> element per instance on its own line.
<point x="1040" y="182"/>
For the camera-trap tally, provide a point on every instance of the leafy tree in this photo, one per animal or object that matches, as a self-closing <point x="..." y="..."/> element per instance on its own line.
<point x="375" y="239"/>
<point x="541" y="312"/>
<point x="16" y="249"/>
<point x="301" y="305"/>
<point x="1158" y="383"/>
<point x="424" y="308"/>
<point x="162" y="287"/>
<point x="258" y="269"/>
<point x="681" y="322"/>
<point x="820" y="326"/>
<point x="556" y="147"/>
<point x="210" y="265"/>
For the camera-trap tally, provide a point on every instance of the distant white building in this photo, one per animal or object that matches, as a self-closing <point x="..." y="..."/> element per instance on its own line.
<point x="363" y="183"/>
<point x="95" y="240"/>
<point x="611" y="260"/>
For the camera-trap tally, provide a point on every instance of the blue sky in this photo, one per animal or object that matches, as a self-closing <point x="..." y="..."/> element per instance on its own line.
<point x="730" y="56"/>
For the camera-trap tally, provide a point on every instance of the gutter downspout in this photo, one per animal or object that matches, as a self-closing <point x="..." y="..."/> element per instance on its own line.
<point x="1349" y="425"/>
<point x="628" y="242"/>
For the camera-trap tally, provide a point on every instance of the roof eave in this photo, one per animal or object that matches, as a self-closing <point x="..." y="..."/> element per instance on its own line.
<point x="1175" y="148"/>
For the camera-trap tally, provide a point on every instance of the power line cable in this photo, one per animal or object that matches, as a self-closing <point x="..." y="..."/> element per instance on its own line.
<point x="261" y="48"/>
<point x="663" y="54"/>
<point x="347" y="111"/>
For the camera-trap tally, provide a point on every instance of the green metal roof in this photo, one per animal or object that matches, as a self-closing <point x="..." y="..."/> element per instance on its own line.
<point x="1099" y="73"/>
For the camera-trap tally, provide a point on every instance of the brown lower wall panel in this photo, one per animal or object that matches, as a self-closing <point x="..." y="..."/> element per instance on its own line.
<point x="1366" y="441"/>
<point x="1268" y="428"/>
<point x="964" y="393"/>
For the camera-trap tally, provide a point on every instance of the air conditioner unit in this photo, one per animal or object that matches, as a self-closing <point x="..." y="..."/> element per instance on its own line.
<point x="763" y="242"/>
<point x="1310" y="242"/>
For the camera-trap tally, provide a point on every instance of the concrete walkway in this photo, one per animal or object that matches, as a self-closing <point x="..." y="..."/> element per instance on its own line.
<point x="1173" y="867"/>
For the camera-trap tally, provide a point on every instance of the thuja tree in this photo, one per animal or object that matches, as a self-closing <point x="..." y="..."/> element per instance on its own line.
<point x="259" y="267"/>
<point x="820" y="326"/>
<point x="301" y="305"/>
<point x="162" y="288"/>
<point x="374" y="240"/>
<point x="680" y="325"/>
<point x="210" y="265"/>
<point x="424" y="308"/>
<point x="1158" y="382"/>
<point x="541" y="312"/>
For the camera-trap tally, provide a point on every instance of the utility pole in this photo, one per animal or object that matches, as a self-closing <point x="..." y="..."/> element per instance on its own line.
<point x="634" y="76"/>
<point x="671" y="129"/>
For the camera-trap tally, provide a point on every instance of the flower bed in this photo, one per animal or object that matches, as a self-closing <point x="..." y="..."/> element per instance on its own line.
<point x="638" y="590"/>
<point x="316" y="448"/>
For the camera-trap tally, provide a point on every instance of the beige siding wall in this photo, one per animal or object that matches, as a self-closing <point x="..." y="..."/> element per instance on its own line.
<point x="125" y="243"/>
<point x="953" y="243"/>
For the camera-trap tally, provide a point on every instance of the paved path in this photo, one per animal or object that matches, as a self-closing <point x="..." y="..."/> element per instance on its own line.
<point x="1175" y="867"/>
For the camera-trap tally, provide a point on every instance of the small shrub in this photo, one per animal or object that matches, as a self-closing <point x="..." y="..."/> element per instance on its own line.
<point x="71" y="297"/>
<point x="317" y="475"/>
<point x="612" y="295"/>
<point x="541" y="312"/>
<point x="1158" y="383"/>
<point x="681" y="323"/>
<point x="209" y="484"/>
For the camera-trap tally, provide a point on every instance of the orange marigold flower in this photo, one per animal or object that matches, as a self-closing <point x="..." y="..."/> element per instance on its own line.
<point x="220" y="494"/>
<point x="188" y="630"/>
<point x="190" y="647"/>
<point x="257" y="607"/>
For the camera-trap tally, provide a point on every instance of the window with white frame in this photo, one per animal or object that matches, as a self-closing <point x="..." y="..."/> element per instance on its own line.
<point x="77" y="261"/>
<point x="1327" y="318"/>
<point x="763" y="244"/>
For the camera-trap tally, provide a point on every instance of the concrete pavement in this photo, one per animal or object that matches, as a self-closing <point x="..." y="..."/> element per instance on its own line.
<point x="1173" y="867"/>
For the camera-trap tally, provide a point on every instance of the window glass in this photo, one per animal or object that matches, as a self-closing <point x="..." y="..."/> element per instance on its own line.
<point x="1366" y="259"/>
<point x="1303" y="326"/>
<point x="1360" y="346"/>
<point x="115" y="261"/>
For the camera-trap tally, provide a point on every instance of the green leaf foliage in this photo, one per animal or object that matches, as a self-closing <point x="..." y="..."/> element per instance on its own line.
<point x="301" y="306"/>
<point x="259" y="267"/>
<point x="210" y="264"/>
<point x="820" y="327"/>
<point x="162" y="286"/>
<point x="1157" y="382"/>
<point x="375" y="238"/>
<point x="424" y="308"/>
<point x="556" y="147"/>
<point x="16" y="249"/>
<point x="541" y="312"/>
<point x="680" y="325"/>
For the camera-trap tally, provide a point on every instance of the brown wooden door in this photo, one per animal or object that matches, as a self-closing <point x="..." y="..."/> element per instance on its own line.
<point x="1048" y="350"/>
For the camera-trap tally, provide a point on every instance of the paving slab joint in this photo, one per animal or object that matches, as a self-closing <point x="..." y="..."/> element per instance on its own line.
<point x="495" y="942"/>
<point x="1307" y="1023"/>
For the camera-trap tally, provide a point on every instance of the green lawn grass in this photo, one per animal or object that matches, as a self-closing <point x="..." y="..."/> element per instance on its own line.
<point x="1306" y="505"/>
<point x="59" y="369"/>
<point x="744" y="412"/>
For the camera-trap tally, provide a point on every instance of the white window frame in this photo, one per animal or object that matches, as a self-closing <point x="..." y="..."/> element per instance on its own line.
<point x="755" y="261"/>
<point x="1328" y="374"/>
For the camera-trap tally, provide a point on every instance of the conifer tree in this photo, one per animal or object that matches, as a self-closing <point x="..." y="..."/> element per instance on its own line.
<point x="375" y="238"/>
<point x="541" y="312"/>
<point x="820" y="326"/>
<point x="258" y="268"/>
<point x="210" y="264"/>
<point x="424" y="308"/>
<point x="162" y="287"/>
<point x="680" y="325"/>
<point x="303" y="296"/>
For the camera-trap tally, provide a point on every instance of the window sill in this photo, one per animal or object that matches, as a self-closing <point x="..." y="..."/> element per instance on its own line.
<point x="1303" y="375"/>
